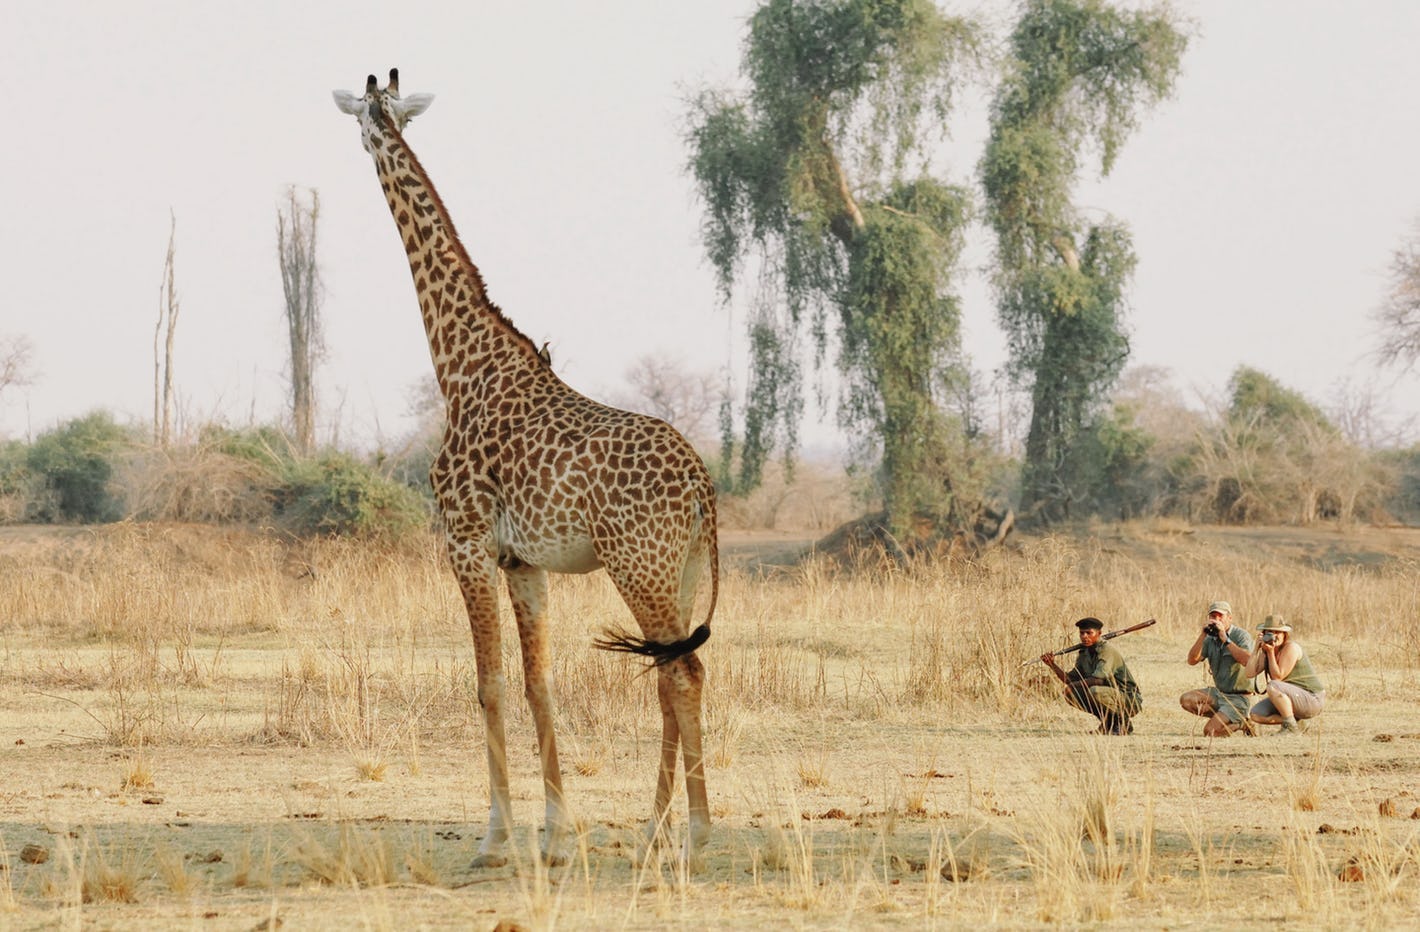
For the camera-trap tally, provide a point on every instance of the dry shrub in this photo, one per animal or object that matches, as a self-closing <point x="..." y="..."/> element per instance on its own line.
<point x="197" y="484"/>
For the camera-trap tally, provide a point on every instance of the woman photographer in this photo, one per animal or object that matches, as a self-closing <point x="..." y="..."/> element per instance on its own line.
<point x="1294" y="690"/>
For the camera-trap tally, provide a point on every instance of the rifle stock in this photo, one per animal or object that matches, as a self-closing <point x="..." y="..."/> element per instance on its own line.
<point x="1105" y="637"/>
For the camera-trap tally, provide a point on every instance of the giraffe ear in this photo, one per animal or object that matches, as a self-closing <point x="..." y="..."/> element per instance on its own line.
<point x="348" y="102"/>
<point x="413" y="105"/>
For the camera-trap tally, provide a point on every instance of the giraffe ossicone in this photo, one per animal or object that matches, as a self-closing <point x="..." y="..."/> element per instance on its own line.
<point x="532" y="477"/>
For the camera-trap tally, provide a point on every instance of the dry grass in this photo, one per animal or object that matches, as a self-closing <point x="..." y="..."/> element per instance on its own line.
<point x="294" y="733"/>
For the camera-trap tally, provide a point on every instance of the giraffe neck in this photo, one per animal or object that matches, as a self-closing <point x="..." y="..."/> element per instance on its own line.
<point x="468" y="334"/>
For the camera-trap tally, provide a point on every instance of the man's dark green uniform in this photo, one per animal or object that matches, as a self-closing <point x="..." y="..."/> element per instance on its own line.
<point x="1102" y="685"/>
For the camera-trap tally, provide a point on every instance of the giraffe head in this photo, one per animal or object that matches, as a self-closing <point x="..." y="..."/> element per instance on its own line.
<point x="379" y="109"/>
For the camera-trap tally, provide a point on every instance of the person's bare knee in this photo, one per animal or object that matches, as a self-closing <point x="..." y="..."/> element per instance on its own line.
<point x="1197" y="702"/>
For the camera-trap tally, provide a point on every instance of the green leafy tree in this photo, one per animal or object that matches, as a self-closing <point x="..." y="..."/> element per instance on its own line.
<point x="1276" y="457"/>
<point x="75" y="465"/>
<point x="1257" y="401"/>
<point x="1077" y="75"/>
<point x="807" y="171"/>
<point x="337" y="496"/>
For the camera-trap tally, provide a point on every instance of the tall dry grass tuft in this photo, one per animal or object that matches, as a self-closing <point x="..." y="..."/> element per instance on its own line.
<point x="172" y="870"/>
<point x="1205" y="855"/>
<point x="7" y="892"/>
<point x="111" y="872"/>
<point x="137" y="771"/>
<point x="1310" y="874"/>
<point x="1078" y="858"/>
<point x="1304" y="789"/>
<point x="354" y="858"/>
<point x="725" y="723"/>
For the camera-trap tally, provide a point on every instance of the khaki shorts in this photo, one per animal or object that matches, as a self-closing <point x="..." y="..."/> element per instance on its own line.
<point x="1305" y="704"/>
<point x="1231" y="706"/>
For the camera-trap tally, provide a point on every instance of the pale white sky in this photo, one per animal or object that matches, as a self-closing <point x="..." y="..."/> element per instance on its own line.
<point x="1265" y="198"/>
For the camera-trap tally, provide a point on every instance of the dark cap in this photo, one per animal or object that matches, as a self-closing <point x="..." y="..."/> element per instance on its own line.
<point x="1094" y="623"/>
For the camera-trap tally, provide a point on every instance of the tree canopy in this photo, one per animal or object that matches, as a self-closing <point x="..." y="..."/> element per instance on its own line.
<point x="1078" y="75"/>
<point x="808" y="172"/>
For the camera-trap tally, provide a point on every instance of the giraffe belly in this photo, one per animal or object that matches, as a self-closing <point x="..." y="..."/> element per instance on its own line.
<point x="564" y="556"/>
<point x="568" y="552"/>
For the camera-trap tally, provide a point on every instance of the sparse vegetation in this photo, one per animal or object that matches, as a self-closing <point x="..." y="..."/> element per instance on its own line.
<point x="206" y="719"/>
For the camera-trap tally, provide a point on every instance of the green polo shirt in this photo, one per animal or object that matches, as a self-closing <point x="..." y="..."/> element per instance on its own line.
<point x="1228" y="674"/>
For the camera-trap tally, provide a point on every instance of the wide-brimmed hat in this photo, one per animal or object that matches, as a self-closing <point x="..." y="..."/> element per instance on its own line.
<point x="1275" y="623"/>
<point x="1221" y="607"/>
<point x="1094" y="623"/>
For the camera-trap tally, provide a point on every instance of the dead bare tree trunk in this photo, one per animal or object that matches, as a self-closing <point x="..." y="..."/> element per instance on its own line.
<point x="163" y="337"/>
<point x="300" y="282"/>
<point x="16" y="362"/>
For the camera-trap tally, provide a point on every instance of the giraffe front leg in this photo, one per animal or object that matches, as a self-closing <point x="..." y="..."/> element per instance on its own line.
<point x="476" y="577"/>
<point x="527" y="587"/>
<point x="492" y="851"/>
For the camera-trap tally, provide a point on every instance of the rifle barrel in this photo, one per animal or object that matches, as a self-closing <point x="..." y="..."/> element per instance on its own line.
<point x="1105" y="637"/>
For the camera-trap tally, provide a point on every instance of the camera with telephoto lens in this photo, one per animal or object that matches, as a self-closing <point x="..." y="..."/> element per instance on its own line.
<point x="1213" y="629"/>
<point x="1268" y="637"/>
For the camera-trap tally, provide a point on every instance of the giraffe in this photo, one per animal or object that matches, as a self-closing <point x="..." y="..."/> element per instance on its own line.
<point x="533" y="477"/>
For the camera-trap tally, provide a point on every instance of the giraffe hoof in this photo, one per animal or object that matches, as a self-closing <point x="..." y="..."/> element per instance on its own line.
<point x="553" y="859"/>
<point x="484" y="861"/>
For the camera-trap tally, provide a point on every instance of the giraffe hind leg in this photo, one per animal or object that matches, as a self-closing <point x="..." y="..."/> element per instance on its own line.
<point x="688" y="678"/>
<point x="679" y="687"/>
<point x="656" y="828"/>
<point x="662" y="612"/>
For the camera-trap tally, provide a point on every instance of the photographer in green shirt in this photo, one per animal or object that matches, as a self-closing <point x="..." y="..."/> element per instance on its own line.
<point x="1226" y="647"/>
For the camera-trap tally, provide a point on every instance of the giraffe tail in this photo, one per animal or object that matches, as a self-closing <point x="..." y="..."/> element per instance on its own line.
<point x="619" y="639"/>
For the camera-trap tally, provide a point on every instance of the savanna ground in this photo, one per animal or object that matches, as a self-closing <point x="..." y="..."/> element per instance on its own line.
<point x="213" y="728"/>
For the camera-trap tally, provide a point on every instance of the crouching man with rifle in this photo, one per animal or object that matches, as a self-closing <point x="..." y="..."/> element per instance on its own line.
<point x="1100" y="683"/>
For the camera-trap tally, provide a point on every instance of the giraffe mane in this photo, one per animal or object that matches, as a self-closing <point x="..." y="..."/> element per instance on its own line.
<point x="448" y="222"/>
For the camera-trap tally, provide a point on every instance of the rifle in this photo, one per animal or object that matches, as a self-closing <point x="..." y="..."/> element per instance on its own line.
<point x="1104" y="637"/>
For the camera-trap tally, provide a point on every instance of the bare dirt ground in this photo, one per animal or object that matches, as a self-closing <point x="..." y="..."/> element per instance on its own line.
<point x="854" y="812"/>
